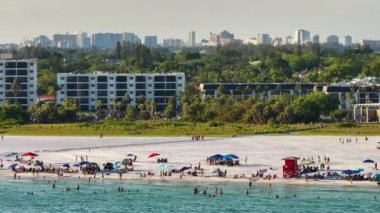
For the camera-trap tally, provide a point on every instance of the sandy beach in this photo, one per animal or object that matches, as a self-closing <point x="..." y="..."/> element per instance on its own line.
<point x="262" y="152"/>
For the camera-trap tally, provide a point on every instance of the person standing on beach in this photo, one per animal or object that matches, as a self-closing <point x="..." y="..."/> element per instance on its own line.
<point x="2" y="137"/>
<point x="246" y="159"/>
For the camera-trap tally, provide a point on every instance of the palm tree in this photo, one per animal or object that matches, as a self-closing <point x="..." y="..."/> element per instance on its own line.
<point x="15" y="87"/>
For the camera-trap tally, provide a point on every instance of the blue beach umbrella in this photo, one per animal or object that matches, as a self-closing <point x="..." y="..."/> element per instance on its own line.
<point x="216" y="156"/>
<point x="231" y="156"/>
<point x="13" y="166"/>
<point x="184" y="168"/>
<point x="9" y="154"/>
<point x="83" y="163"/>
<point x="368" y="161"/>
<point x="130" y="155"/>
<point x="66" y="165"/>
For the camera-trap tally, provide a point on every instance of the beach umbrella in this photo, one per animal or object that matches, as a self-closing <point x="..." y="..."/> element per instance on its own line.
<point x="231" y="156"/>
<point x="66" y="165"/>
<point x="83" y="163"/>
<point x="13" y="166"/>
<point x="154" y="154"/>
<point x="130" y="155"/>
<point x="368" y="161"/>
<point x="30" y="154"/>
<point x="184" y="168"/>
<point x="76" y="165"/>
<point x="9" y="154"/>
<point x="216" y="156"/>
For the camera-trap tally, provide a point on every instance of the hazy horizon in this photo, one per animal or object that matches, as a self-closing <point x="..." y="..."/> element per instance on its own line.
<point x="175" y="18"/>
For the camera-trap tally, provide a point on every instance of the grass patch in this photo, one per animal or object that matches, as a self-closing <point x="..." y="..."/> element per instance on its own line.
<point x="162" y="128"/>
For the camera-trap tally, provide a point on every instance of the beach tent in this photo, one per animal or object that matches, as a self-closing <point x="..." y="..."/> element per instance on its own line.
<point x="231" y="156"/>
<point x="217" y="157"/>
<point x="30" y="154"/>
<point x="376" y="176"/>
<point x="368" y="161"/>
<point x="108" y="166"/>
<point x="154" y="154"/>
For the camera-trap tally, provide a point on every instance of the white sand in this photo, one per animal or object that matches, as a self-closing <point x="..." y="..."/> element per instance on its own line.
<point x="263" y="152"/>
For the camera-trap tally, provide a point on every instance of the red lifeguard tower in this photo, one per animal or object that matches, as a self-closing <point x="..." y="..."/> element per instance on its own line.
<point x="290" y="169"/>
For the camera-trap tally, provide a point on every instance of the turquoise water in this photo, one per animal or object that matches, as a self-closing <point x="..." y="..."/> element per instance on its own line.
<point x="16" y="196"/>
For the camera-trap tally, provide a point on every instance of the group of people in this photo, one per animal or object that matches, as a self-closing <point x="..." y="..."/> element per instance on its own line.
<point x="197" y="137"/>
<point x="349" y="139"/>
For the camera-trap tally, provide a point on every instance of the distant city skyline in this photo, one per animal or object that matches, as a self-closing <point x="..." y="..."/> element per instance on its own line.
<point x="175" y="18"/>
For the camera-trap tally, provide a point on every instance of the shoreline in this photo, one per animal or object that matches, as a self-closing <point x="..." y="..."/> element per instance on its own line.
<point x="7" y="175"/>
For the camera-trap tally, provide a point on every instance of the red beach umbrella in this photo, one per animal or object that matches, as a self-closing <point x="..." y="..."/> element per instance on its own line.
<point x="154" y="154"/>
<point x="30" y="154"/>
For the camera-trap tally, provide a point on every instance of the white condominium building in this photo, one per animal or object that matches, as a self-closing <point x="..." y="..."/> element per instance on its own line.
<point x="112" y="87"/>
<point x="18" y="81"/>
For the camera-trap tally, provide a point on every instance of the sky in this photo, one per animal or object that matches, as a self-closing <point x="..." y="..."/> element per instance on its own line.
<point x="175" y="18"/>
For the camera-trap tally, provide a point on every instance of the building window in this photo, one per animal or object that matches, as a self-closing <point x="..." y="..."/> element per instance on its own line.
<point x="179" y="85"/>
<point x="1" y="64"/>
<point x="111" y="78"/>
<point x="33" y="93"/>
<point x="31" y="78"/>
<point x="111" y="85"/>
<point x="180" y="78"/>
<point x="149" y="92"/>
<point x="31" y="100"/>
<point x="92" y="78"/>
<point x="31" y="64"/>
<point x="131" y="92"/>
<point x="1" y="85"/>
<point x="150" y="85"/>
<point x="130" y="78"/>
<point x="62" y="92"/>
<point x="1" y="93"/>
<point x="31" y="86"/>
<point x="62" y="85"/>
<point x="131" y="85"/>
<point x="92" y="85"/>
<point x="1" y="100"/>
<point x="92" y="92"/>
<point x="1" y="79"/>
<point x="63" y="78"/>
<point x="92" y="99"/>
<point x="111" y="92"/>
<point x="149" y="78"/>
<point x="31" y="71"/>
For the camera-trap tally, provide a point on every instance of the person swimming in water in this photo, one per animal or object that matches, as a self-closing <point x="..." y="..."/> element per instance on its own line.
<point x="247" y="192"/>
<point x="77" y="187"/>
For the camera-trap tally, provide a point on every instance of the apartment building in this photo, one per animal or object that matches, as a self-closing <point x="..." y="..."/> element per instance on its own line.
<point x="347" y="94"/>
<point x="112" y="87"/>
<point x="18" y="81"/>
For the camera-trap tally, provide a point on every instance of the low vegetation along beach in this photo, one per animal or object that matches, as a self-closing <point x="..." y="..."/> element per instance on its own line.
<point x="165" y="128"/>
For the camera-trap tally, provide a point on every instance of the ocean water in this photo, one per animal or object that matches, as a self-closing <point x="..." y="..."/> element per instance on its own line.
<point x="141" y="196"/>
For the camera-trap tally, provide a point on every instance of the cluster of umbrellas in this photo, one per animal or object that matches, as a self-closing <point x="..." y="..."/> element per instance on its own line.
<point x="26" y="154"/>
<point x="224" y="157"/>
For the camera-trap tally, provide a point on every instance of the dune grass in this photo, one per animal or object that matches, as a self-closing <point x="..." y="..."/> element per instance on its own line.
<point x="148" y="128"/>
<point x="163" y="128"/>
